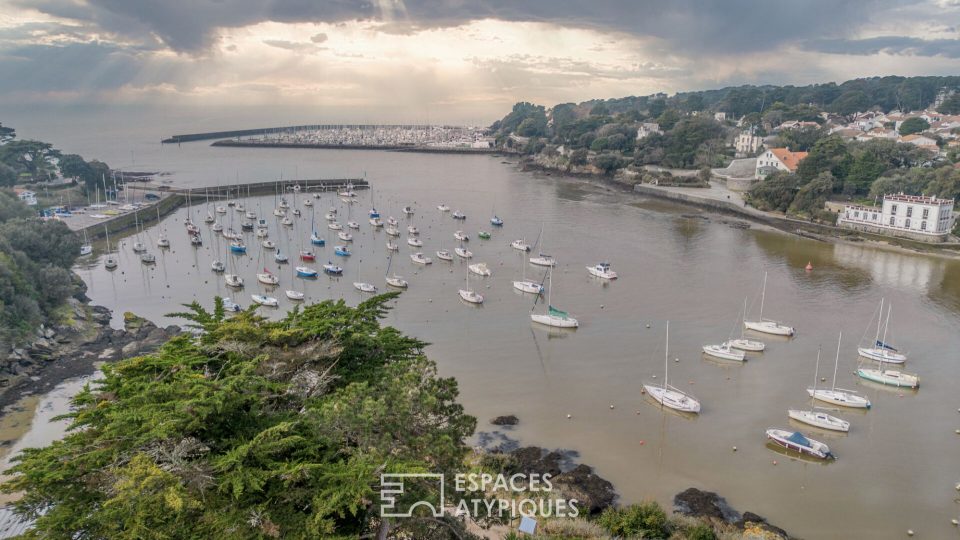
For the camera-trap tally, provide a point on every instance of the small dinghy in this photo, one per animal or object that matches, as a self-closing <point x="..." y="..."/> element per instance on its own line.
<point x="342" y="251"/>
<point x="443" y="208"/>
<point x="268" y="245"/>
<point x="263" y="300"/>
<point x="459" y="215"/>
<point x="345" y="236"/>
<point x="296" y="296"/>
<point x="483" y="235"/>
<point x="408" y="210"/>
<point x="496" y="221"/>
<point x="230" y="305"/>
<point x="364" y="287"/>
<point x="307" y="255"/>
<point x="306" y="272"/>
<point x="332" y="269"/>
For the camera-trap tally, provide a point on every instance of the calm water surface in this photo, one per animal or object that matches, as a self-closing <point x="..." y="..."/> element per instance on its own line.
<point x="896" y="469"/>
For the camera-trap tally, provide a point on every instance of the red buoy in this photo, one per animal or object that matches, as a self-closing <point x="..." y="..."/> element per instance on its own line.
<point x="809" y="266"/>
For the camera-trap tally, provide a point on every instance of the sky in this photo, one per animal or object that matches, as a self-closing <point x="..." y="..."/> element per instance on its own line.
<point x="453" y="61"/>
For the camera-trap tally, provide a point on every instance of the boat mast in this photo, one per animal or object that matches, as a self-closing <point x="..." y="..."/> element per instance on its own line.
<point x="816" y="375"/>
<point x="550" y="290"/>
<point x="836" y="363"/>
<point x="879" y="318"/>
<point x="763" y="295"/>
<point x="883" y="349"/>
<point x="666" y="358"/>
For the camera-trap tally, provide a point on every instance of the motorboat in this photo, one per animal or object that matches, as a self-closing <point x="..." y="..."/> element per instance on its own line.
<point x="345" y="236"/>
<point x="480" y="269"/>
<point x="415" y="242"/>
<point x="461" y="236"/>
<point x="238" y="247"/>
<point x="420" y="258"/>
<point x="392" y="231"/>
<point x="332" y="269"/>
<point x="218" y="266"/>
<point x="233" y="280"/>
<point x="307" y="255"/>
<point x="364" y="287"/>
<point x="520" y="245"/>
<point x="353" y="225"/>
<point x="392" y="246"/>
<point x="444" y="255"/>
<point x="280" y="258"/>
<point x="463" y="253"/>
<point x="397" y="281"/>
<point x="268" y="245"/>
<point x="335" y="226"/>
<point x="602" y="271"/>
<point x="459" y="215"/>
<point x="408" y="210"/>
<point x="163" y="242"/>
<point x="496" y="221"/>
<point x="411" y="229"/>
<point x="794" y="440"/>
<point x="376" y="222"/>
<point x="443" y="208"/>
<point x="342" y="251"/>
<point x="148" y="258"/>
<point x="528" y="286"/>
<point x="230" y="305"/>
<point x="305" y="272"/>
<point x="483" y="235"/>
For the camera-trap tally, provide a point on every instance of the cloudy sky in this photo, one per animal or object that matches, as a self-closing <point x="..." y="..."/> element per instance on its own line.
<point x="451" y="60"/>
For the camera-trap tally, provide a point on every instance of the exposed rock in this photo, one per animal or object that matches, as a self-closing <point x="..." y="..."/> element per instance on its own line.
<point x="533" y="459"/>
<point x="706" y="504"/>
<point x="594" y="494"/>
<point x="694" y="502"/>
<point x="508" y="420"/>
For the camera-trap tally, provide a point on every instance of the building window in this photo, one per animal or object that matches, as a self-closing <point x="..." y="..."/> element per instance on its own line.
<point x="923" y="225"/>
<point x="893" y="209"/>
<point x="926" y="213"/>
<point x="907" y="223"/>
<point x="856" y="214"/>
<point x="892" y="221"/>
<point x="909" y="211"/>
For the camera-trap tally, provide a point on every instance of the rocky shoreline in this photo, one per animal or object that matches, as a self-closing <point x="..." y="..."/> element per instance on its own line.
<point x="73" y="348"/>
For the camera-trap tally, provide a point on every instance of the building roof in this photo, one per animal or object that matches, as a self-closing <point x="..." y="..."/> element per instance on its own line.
<point x="900" y="197"/>
<point x="788" y="158"/>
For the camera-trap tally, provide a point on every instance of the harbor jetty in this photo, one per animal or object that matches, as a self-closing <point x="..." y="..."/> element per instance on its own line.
<point x="122" y="217"/>
<point x="275" y="143"/>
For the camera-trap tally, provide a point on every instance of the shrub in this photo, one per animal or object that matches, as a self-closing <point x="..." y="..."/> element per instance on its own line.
<point x="646" y="520"/>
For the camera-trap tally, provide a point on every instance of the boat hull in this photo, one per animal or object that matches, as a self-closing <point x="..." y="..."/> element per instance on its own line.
<point x="769" y="327"/>
<point x="840" y="397"/>
<point x="673" y="399"/>
<point x="556" y="322"/>
<point x="882" y="355"/>
<point x="724" y="353"/>
<point x="820" y="420"/>
<point x="748" y="345"/>
<point x="816" y="449"/>
<point x="890" y="377"/>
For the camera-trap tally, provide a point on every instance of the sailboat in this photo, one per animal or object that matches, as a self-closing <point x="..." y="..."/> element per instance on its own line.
<point x="480" y="269"/>
<point x="726" y="350"/>
<point x="110" y="261"/>
<point x="889" y="377"/>
<point x="667" y="395"/>
<point x="794" y="440"/>
<point x="839" y="396"/>
<point x="162" y="241"/>
<point x="553" y="317"/>
<point x="882" y="351"/>
<point x="744" y="344"/>
<point x="764" y="325"/>
<point x="817" y="418"/>
<point x="268" y="278"/>
<point x="542" y="259"/>
<point x="525" y="285"/>
<point x="363" y="286"/>
<point x="394" y="280"/>
<point x="469" y="295"/>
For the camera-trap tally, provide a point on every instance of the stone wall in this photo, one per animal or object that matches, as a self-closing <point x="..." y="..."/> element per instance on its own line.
<point x="884" y="231"/>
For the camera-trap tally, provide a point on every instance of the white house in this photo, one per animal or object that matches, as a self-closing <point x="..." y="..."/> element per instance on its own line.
<point x="720" y="116"/>
<point x="747" y="143"/>
<point x="28" y="197"/>
<point x="920" y="218"/>
<point x="648" y="128"/>
<point x="778" y="159"/>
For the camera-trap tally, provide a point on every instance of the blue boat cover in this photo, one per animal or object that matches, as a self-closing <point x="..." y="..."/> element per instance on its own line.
<point x="886" y="346"/>
<point x="798" y="438"/>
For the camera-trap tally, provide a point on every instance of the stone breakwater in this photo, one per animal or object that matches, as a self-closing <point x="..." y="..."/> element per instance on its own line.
<point x="72" y="348"/>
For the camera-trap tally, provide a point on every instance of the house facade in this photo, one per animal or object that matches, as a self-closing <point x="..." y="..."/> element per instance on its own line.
<point x="747" y="143"/>
<point x="778" y="159"/>
<point x="927" y="219"/>
<point x="647" y="129"/>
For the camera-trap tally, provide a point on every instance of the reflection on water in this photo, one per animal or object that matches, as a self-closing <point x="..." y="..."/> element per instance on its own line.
<point x="690" y="271"/>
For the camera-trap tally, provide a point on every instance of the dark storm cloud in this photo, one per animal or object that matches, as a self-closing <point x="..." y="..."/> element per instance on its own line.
<point x="718" y="26"/>
<point x="68" y="68"/>
<point x="899" y="45"/>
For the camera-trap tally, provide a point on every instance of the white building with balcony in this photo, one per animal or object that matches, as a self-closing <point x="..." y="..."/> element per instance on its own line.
<point x="927" y="219"/>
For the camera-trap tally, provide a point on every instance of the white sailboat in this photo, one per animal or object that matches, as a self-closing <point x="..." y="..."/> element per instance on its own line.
<point x="480" y="269"/>
<point x="526" y="285"/>
<point x="469" y="295"/>
<point x="394" y="280"/>
<point x="839" y="396"/>
<point x="110" y="261"/>
<point x="889" y="377"/>
<point x="542" y="259"/>
<point x="553" y="317"/>
<point x="764" y="325"/>
<point x="742" y="343"/>
<point x="881" y="351"/>
<point x="818" y="418"/>
<point x="724" y="351"/>
<point x="444" y="255"/>
<point x="669" y="396"/>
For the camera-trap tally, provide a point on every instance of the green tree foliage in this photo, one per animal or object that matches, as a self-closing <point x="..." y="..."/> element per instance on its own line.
<point x="608" y="163"/>
<point x="6" y="133"/>
<point x="951" y="105"/>
<point x="913" y="125"/>
<point x="851" y="102"/>
<point x="668" y="119"/>
<point x="800" y="139"/>
<point x="942" y="182"/>
<point x="8" y="176"/>
<point x="644" y="520"/>
<point x="32" y="157"/>
<point x="600" y="109"/>
<point x="253" y="429"/>
<point x="827" y="154"/>
<point x="680" y="146"/>
<point x="810" y="197"/>
<point x="579" y="156"/>
<point x="775" y="193"/>
<point x="523" y="111"/>
<point x="35" y="261"/>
